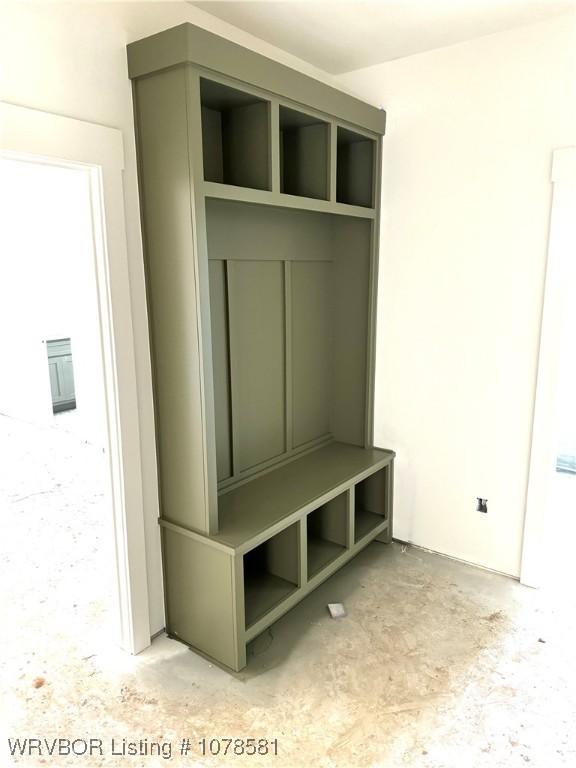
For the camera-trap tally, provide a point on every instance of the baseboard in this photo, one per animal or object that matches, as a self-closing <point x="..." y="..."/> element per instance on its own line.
<point x="457" y="559"/>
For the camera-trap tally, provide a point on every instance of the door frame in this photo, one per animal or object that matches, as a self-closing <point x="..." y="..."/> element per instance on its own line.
<point x="45" y="138"/>
<point x="560" y="277"/>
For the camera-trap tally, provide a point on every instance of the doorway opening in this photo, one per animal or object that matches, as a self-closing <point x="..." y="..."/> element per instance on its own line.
<point x="559" y="570"/>
<point x="549" y="526"/>
<point x="56" y="529"/>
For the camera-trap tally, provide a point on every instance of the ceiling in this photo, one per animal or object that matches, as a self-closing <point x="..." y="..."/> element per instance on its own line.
<point x="342" y="35"/>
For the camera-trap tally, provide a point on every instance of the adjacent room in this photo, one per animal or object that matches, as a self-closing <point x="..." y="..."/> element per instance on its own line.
<point x="57" y="540"/>
<point x="287" y="414"/>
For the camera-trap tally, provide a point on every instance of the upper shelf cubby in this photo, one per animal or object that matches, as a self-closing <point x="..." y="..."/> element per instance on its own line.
<point x="355" y="169"/>
<point x="235" y="136"/>
<point x="304" y="154"/>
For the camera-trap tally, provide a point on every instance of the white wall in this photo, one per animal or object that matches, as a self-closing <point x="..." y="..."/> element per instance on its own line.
<point x="70" y="59"/>
<point x="48" y="291"/>
<point x="466" y="197"/>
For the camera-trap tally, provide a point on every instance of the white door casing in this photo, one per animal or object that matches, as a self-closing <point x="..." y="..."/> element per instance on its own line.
<point x="97" y="150"/>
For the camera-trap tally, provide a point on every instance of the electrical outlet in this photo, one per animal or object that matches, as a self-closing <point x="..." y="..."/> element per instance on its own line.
<point x="481" y="505"/>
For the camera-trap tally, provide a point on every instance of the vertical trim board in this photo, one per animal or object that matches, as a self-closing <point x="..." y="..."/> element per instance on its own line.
<point x="311" y="338"/>
<point x="257" y="322"/>
<point x="172" y="288"/>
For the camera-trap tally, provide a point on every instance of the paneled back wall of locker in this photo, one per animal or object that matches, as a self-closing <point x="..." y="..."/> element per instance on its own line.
<point x="288" y="353"/>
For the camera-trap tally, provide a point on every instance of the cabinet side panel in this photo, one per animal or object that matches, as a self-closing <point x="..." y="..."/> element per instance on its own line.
<point x="288" y="166"/>
<point x="283" y="554"/>
<point x="310" y="163"/>
<point x="221" y="367"/>
<point x="256" y="302"/>
<point x="245" y="134"/>
<point x="351" y="271"/>
<point x="334" y="520"/>
<point x="200" y="596"/>
<point x="311" y="350"/>
<point x="373" y="492"/>
<point x="212" y="145"/>
<point x="361" y="171"/>
<point x="160" y="103"/>
<point x="356" y="173"/>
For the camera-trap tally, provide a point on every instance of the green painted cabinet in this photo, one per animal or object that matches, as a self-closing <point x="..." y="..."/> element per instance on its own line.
<point x="260" y="217"/>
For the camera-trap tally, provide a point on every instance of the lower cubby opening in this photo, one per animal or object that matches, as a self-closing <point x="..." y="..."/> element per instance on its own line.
<point x="327" y="533"/>
<point x="370" y="503"/>
<point x="271" y="573"/>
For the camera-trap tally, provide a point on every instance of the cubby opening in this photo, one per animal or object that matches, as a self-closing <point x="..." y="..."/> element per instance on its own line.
<point x="304" y="154"/>
<point x="271" y="573"/>
<point x="370" y="503"/>
<point x="327" y="533"/>
<point x="235" y="136"/>
<point x="355" y="169"/>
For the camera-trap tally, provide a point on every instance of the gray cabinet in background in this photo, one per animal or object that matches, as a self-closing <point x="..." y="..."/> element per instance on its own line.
<point x="260" y="216"/>
<point x="61" y="372"/>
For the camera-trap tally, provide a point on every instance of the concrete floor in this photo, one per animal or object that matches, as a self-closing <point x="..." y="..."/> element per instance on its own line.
<point x="437" y="665"/>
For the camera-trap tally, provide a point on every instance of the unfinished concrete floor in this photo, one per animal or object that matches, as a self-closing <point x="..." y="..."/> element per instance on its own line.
<point x="437" y="665"/>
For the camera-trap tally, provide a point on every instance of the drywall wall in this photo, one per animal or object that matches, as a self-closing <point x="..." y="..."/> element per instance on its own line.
<point x="70" y="59"/>
<point x="466" y="197"/>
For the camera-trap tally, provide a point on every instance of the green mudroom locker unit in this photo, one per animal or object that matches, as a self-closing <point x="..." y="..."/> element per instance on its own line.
<point x="260" y="213"/>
